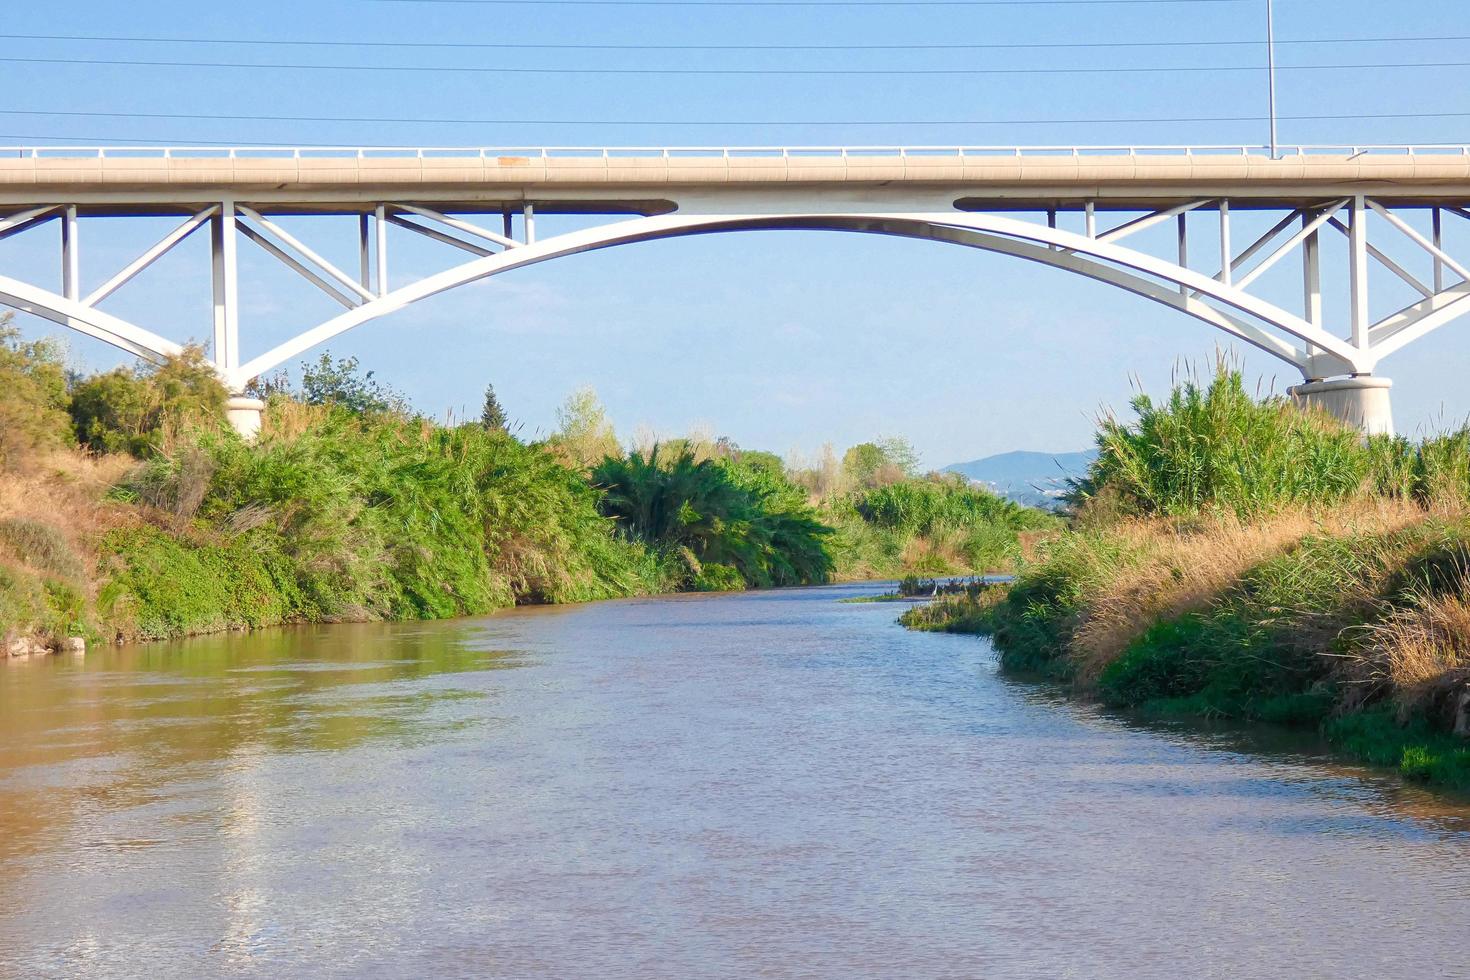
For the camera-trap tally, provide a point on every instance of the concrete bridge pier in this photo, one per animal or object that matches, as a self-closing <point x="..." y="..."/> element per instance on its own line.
<point x="245" y="415"/>
<point x="1361" y="401"/>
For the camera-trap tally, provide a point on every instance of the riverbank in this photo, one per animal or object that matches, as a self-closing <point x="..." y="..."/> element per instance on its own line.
<point x="1350" y="623"/>
<point x="1243" y="560"/>
<point x="130" y="511"/>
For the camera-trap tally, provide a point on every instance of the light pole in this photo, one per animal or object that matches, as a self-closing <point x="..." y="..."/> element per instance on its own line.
<point x="1271" y="74"/>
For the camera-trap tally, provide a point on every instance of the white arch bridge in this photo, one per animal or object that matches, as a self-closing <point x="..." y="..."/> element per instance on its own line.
<point x="1079" y="209"/>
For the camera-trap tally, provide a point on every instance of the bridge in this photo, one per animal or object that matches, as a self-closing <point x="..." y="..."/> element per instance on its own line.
<point x="1080" y="209"/>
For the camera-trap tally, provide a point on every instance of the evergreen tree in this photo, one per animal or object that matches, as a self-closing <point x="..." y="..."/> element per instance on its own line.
<point x="492" y="416"/>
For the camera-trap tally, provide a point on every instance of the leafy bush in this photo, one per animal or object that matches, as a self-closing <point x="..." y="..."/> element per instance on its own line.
<point x="40" y="546"/>
<point x="130" y="409"/>
<point x="33" y="397"/>
<point x="1217" y="447"/>
<point x="723" y="513"/>
<point x="343" y="384"/>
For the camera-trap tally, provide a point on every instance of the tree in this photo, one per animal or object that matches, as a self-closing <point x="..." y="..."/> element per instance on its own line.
<point x="877" y="464"/>
<point x="129" y="409"/>
<point x="739" y="525"/>
<point x="32" y="396"/>
<point x="584" y="435"/>
<point x="492" y="416"/>
<point x="343" y="384"/>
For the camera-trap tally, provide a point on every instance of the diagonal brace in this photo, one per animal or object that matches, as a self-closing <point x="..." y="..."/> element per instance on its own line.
<point x="156" y="252"/>
<point x="438" y="235"/>
<point x="1281" y="252"/>
<point x="1419" y="239"/>
<point x="459" y="225"/>
<point x="290" y="260"/>
<point x="1148" y="220"/>
<point x="306" y="252"/>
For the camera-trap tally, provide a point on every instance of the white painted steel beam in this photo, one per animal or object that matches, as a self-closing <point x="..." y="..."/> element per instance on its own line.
<point x="1227" y="267"/>
<point x="1388" y="263"/>
<point x="152" y="255"/>
<point x="1147" y="221"/>
<point x="71" y="255"/>
<point x="94" y="323"/>
<point x="1420" y="240"/>
<point x="469" y="228"/>
<point x="1281" y="252"/>
<point x="305" y="251"/>
<point x="365" y="253"/>
<point x="438" y="236"/>
<point x="380" y="223"/>
<point x="24" y="220"/>
<point x="295" y="264"/>
<point x="1349" y="358"/>
<point x="1358" y="274"/>
<point x="1312" y="277"/>
<point x="224" y="260"/>
<point x="1026" y="227"/>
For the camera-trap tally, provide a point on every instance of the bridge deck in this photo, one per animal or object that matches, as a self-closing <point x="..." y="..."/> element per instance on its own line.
<point x="303" y="176"/>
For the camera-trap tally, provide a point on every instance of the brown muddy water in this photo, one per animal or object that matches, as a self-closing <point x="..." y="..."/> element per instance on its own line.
<point x="764" y="785"/>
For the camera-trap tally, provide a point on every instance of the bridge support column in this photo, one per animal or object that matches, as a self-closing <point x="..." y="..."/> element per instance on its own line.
<point x="1360" y="401"/>
<point x="245" y="415"/>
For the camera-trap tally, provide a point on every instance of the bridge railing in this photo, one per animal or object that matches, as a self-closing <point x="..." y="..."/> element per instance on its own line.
<point x="726" y="152"/>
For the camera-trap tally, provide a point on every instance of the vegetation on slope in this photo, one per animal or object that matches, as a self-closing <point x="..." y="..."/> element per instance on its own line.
<point x="1209" y="572"/>
<point x="130" y="510"/>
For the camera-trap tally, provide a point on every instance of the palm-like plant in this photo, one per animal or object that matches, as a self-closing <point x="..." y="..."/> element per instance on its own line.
<point x="717" y="512"/>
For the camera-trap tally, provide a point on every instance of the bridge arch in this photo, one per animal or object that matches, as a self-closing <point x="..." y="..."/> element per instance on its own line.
<point x="1245" y="317"/>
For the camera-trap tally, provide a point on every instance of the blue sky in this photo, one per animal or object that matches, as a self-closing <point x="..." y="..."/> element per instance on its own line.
<point x="780" y="340"/>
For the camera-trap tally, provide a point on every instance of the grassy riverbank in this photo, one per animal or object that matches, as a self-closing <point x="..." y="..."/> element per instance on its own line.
<point x="129" y="510"/>
<point x="1239" y="559"/>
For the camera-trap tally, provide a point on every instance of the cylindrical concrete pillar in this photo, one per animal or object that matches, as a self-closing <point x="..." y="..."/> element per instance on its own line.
<point x="245" y="415"/>
<point x="1361" y="402"/>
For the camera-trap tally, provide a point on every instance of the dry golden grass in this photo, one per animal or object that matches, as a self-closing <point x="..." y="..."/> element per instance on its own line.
<point x="1181" y="567"/>
<point x="67" y="489"/>
<point x="288" y="419"/>
<point x="61" y="497"/>
<point x="1421" y="653"/>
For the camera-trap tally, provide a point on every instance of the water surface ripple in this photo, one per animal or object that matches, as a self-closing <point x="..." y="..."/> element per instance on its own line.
<point x="766" y="785"/>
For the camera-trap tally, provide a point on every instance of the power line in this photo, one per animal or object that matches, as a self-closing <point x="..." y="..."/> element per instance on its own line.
<point x="497" y="70"/>
<point x="441" y="121"/>
<point x="522" y="46"/>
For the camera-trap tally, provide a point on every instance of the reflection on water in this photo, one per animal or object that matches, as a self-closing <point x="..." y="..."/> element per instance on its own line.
<point x="772" y="784"/>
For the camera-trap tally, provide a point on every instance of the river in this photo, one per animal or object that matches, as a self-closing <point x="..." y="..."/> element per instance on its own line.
<point x="765" y="785"/>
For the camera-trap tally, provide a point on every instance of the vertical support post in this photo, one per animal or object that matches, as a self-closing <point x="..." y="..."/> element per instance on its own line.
<point x="226" y="286"/>
<point x="1438" y="219"/>
<point x="1090" y="210"/>
<point x="71" y="257"/>
<point x="506" y="220"/>
<point x="1311" y="281"/>
<point x="1183" y="249"/>
<point x="1358" y="271"/>
<point x="1271" y="73"/>
<point x="382" y="230"/>
<point x="1227" y="251"/>
<point x="364" y="251"/>
<point x="1051" y="222"/>
<point x="529" y="217"/>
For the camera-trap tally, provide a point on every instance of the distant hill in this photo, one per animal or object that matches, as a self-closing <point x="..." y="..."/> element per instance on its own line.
<point x="1038" y="479"/>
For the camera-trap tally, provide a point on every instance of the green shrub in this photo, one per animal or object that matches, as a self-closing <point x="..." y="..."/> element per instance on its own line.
<point x="714" y="577"/>
<point x="130" y="409"/>
<point x="32" y="397"/>
<point x="1217" y="447"/>
<point x="162" y="586"/>
<point x="40" y="546"/>
<point x="723" y="513"/>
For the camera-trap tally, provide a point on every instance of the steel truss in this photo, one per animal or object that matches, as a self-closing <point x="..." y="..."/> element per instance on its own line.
<point x="1221" y="297"/>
